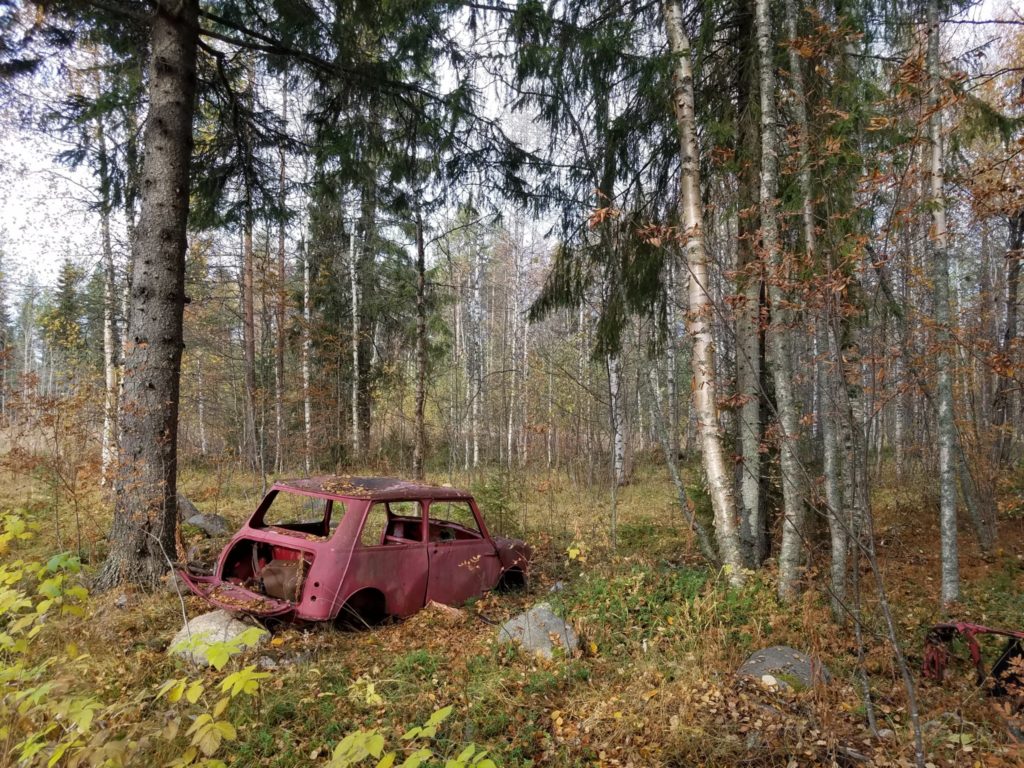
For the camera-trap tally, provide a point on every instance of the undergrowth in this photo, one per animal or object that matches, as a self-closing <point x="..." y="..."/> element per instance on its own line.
<point x="87" y="679"/>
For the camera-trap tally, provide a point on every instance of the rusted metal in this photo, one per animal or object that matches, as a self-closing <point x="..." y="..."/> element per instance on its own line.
<point x="322" y="569"/>
<point x="936" y="650"/>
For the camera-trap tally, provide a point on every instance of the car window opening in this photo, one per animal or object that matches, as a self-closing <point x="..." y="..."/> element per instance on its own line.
<point x="392" y="523"/>
<point x="297" y="514"/>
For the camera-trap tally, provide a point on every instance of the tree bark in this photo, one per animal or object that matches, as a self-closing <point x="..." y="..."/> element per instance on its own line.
<point x="145" y="505"/>
<point x="698" y="319"/>
<point x="353" y="274"/>
<point x="282" y="298"/>
<point x="109" y="447"/>
<point x="420" y="446"/>
<point x="750" y="286"/>
<point x="943" y="320"/>
<point x="1001" y="401"/>
<point x="307" y="348"/>
<point x="778" y="331"/>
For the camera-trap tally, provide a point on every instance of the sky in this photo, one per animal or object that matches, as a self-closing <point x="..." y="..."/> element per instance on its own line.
<point x="45" y="213"/>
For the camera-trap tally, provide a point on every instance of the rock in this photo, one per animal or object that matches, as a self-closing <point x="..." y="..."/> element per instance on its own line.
<point x="122" y="601"/>
<point x="194" y="640"/>
<point x="266" y="663"/>
<point x="787" y="667"/>
<point x="210" y="524"/>
<point x="539" y="631"/>
<point x="174" y="584"/>
<point x="886" y="733"/>
<point x="203" y="554"/>
<point x="558" y="586"/>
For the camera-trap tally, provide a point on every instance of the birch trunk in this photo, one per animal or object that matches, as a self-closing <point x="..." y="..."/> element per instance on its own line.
<point x="476" y="351"/>
<point x="750" y="287"/>
<point x="420" y="445"/>
<point x="829" y="375"/>
<point x="778" y="330"/>
<point x="353" y="275"/>
<point x="1002" y="399"/>
<point x="672" y="360"/>
<point x="698" y="319"/>
<point x="109" y="446"/>
<point x="282" y="299"/>
<point x="307" y="344"/>
<point x="614" y="365"/>
<point x="940" y="287"/>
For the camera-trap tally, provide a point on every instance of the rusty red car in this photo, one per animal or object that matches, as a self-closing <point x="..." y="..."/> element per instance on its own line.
<point x="342" y="548"/>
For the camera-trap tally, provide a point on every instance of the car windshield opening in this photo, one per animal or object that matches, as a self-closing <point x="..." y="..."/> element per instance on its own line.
<point x="298" y="514"/>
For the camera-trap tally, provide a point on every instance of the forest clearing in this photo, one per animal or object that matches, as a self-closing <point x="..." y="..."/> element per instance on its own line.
<point x="477" y="384"/>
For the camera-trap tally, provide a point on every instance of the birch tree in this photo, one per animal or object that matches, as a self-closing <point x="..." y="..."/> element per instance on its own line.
<point x="778" y="330"/>
<point x="698" y="318"/>
<point x="938" y="239"/>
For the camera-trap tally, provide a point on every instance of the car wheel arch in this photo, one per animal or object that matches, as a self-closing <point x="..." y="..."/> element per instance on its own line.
<point x="365" y="606"/>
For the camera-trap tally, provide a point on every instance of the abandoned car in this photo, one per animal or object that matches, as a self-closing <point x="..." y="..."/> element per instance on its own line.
<point x="344" y="548"/>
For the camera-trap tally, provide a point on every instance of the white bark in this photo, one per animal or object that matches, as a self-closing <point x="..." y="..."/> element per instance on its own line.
<point x="109" y="449"/>
<point x="778" y="331"/>
<point x="201" y="407"/>
<point x="307" y="345"/>
<point x="837" y="523"/>
<point x="943" y="320"/>
<point x="672" y="360"/>
<point x="615" y="417"/>
<point x="698" y="319"/>
<point x="354" y="301"/>
<point x="476" y="351"/>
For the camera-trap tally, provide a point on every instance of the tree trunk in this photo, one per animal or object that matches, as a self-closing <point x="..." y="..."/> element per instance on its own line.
<point x="672" y="359"/>
<point x="618" y="442"/>
<point x="749" y="287"/>
<point x="109" y="446"/>
<point x="476" y="351"/>
<point x="282" y="299"/>
<point x="943" y="321"/>
<point x="420" y="446"/>
<point x="698" y="319"/>
<point x="353" y="274"/>
<point x="1002" y="400"/>
<point x="778" y="330"/>
<point x="307" y="347"/>
<point x="145" y="505"/>
<point x="830" y="375"/>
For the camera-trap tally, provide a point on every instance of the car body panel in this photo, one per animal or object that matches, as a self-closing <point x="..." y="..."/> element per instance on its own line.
<point x="310" y="570"/>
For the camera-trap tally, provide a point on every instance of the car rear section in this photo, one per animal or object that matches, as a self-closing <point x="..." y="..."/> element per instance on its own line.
<point x="266" y="575"/>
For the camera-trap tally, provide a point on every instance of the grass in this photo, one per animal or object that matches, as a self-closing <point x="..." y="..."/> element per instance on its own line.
<point x="661" y="636"/>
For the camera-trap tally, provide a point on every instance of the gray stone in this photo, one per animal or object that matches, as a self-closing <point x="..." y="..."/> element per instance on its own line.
<point x="785" y="668"/>
<point x="194" y="640"/>
<point x="210" y="524"/>
<point x="203" y="554"/>
<point x="122" y="601"/>
<point x="558" y="586"/>
<point x="539" y="631"/>
<point x="886" y="733"/>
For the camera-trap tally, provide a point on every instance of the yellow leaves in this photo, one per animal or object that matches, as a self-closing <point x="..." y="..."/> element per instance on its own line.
<point x="577" y="551"/>
<point x="243" y="681"/>
<point x="356" y="747"/>
<point x="207" y="734"/>
<point x="364" y="691"/>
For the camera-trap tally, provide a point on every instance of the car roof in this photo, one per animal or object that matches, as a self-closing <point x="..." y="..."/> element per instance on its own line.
<point x="381" y="488"/>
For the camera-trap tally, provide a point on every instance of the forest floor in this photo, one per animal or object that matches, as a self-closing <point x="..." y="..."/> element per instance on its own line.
<point x="653" y="685"/>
